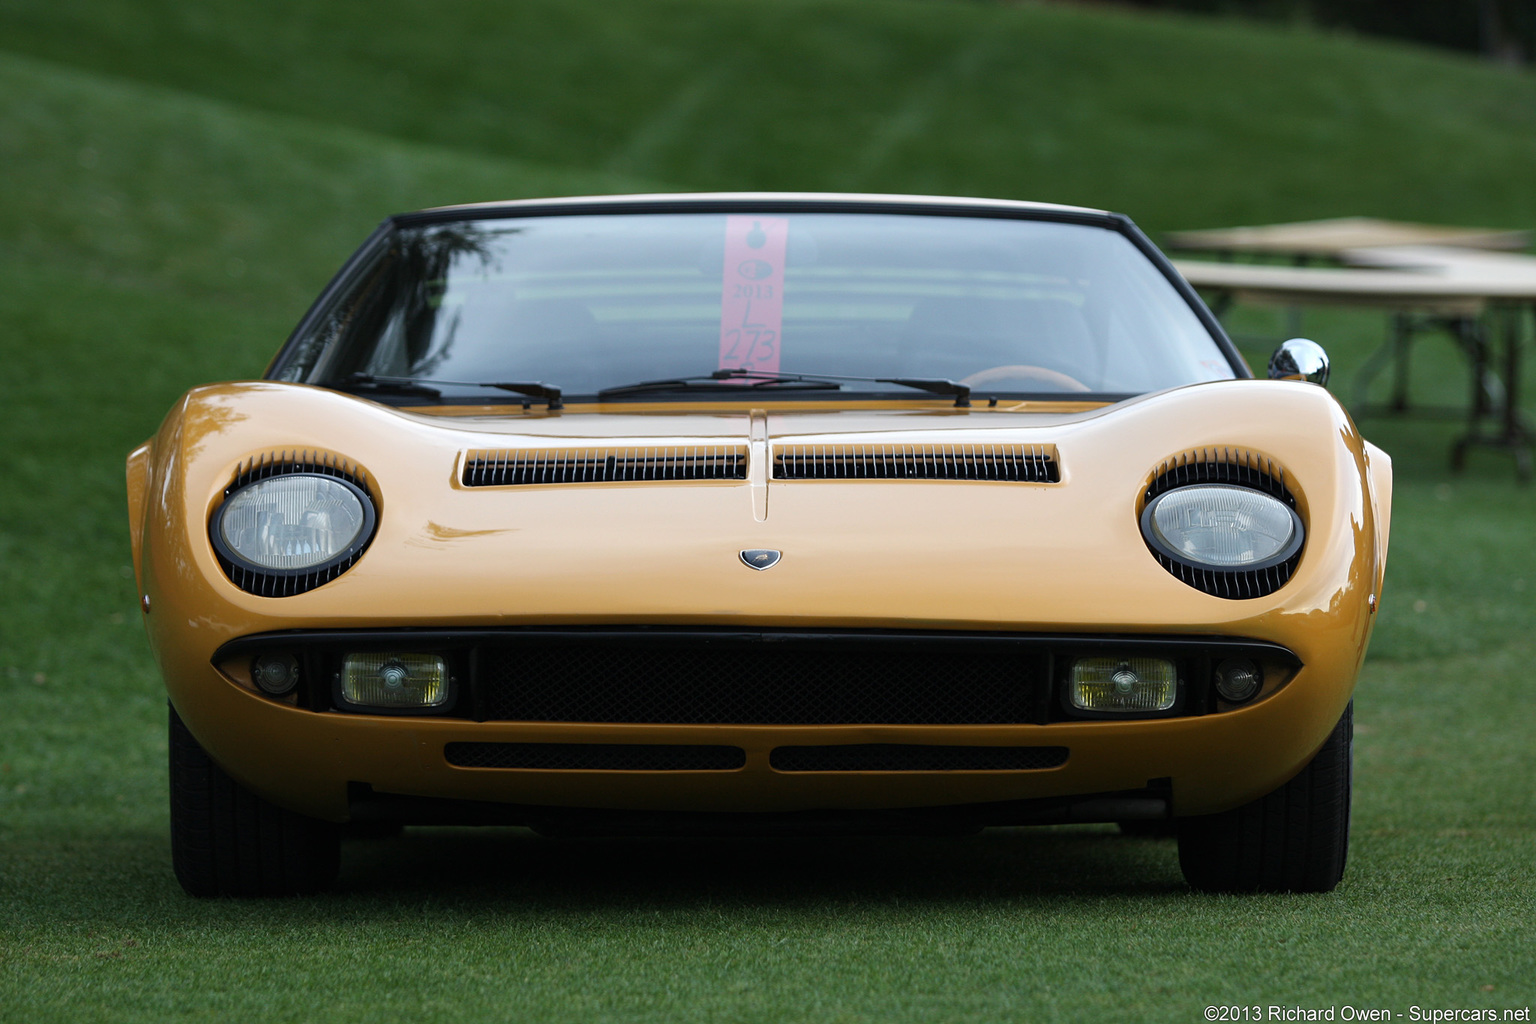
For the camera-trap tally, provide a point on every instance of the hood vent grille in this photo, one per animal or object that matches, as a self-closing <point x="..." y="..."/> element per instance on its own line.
<point x="1021" y="463"/>
<point x="501" y="468"/>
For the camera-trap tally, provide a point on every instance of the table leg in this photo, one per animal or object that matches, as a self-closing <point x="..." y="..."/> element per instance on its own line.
<point x="1513" y="435"/>
<point x="1402" y="342"/>
<point x="1394" y="351"/>
<point x="1469" y="331"/>
<point x="1514" y="422"/>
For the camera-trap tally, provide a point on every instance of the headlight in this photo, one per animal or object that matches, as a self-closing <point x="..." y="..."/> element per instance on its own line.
<point x="294" y="522"/>
<point x="1222" y="527"/>
<point x="285" y="529"/>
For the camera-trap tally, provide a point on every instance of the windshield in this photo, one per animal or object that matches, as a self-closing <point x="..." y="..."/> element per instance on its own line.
<point x="588" y="303"/>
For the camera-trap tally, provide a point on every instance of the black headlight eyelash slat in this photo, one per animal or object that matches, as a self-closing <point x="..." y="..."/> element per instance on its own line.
<point x="273" y="583"/>
<point x="1233" y="467"/>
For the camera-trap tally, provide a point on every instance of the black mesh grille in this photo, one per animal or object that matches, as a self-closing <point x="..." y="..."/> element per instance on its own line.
<point x="1030" y="463"/>
<point x="768" y="683"/>
<point x="897" y="757"/>
<point x="269" y="464"/>
<point x="1240" y="468"/>
<point x="612" y="757"/>
<point x="603" y="465"/>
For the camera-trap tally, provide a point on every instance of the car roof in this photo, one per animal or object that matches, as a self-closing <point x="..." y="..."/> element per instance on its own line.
<point x="830" y="202"/>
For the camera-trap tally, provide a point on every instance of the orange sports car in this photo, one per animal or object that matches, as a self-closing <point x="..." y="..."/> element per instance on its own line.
<point x="746" y="513"/>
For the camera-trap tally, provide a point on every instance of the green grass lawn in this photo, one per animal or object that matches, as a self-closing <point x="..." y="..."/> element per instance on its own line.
<point x="1180" y="122"/>
<point x="179" y="181"/>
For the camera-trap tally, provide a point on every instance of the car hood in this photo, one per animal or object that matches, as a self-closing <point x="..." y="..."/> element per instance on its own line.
<point x="1063" y="554"/>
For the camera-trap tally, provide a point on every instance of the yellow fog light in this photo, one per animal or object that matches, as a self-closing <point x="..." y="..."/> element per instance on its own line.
<point x="391" y="680"/>
<point x="1124" y="684"/>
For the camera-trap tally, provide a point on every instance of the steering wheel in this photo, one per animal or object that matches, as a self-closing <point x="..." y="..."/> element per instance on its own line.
<point x="1024" y="371"/>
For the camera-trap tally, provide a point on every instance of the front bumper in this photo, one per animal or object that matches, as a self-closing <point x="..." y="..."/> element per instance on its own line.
<point x="975" y="751"/>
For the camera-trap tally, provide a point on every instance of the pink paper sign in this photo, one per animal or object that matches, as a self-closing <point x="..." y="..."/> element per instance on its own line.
<point x="752" y="293"/>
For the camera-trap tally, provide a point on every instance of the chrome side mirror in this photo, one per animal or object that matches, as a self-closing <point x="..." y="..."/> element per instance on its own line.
<point x="1300" y="359"/>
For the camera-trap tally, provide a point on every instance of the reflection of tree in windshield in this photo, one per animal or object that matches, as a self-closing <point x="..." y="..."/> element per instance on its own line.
<point x="424" y="259"/>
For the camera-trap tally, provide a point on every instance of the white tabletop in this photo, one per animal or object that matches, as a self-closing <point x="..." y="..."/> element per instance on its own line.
<point x="1465" y="289"/>
<point x="1328" y="238"/>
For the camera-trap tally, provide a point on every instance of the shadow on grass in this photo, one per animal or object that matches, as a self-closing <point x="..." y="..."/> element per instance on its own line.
<point x="126" y="876"/>
<point x="515" y="865"/>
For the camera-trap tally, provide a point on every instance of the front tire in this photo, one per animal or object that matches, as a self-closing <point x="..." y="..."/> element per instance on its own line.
<point x="227" y="841"/>
<point x="1295" y="839"/>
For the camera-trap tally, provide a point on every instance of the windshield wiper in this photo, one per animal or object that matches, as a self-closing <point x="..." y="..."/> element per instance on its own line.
<point x="433" y="388"/>
<point x="935" y="385"/>
<point x="720" y="381"/>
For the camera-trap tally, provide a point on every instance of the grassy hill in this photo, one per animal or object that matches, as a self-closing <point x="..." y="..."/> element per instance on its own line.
<point x="1177" y="121"/>
<point x="178" y="180"/>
